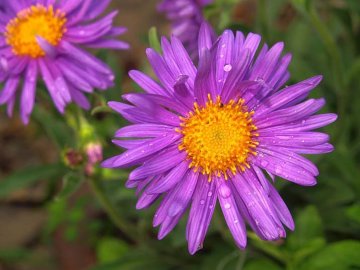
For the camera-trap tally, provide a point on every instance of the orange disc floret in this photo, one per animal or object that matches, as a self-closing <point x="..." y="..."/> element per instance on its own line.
<point x="35" y="21"/>
<point x="218" y="138"/>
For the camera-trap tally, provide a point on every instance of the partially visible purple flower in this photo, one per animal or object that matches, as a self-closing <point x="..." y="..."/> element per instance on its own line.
<point x="211" y="133"/>
<point x="186" y="17"/>
<point x="44" y="38"/>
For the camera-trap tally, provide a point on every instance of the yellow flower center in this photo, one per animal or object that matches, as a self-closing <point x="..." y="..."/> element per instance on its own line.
<point x="32" y="22"/>
<point x="218" y="138"/>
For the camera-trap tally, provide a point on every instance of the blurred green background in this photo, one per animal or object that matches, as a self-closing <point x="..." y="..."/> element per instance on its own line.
<point x="52" y="216"/>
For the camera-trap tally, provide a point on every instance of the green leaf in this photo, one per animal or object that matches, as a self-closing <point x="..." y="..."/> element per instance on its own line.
<point x="13" y="255"/>
<point x="261" y="264"/>
<point x="57" y="213"/>
<point x="154" y="39"/>
<point x="134" y="260"/>
<point x="308" y="249"/>
<point x="353" y="212"/>
<point x="28" y="176"/>
<point x="71" y="182"/>
<point x="340" y="256"/>
<point x="110" y="249"/>
<point x="308" y="226"/>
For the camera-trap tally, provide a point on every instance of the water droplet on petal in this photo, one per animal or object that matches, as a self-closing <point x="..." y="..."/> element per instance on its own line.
<point x="251" y="204"/>
<point x="227" y="67"/>
<point x="278" y="169"/>
<point x="210" y="194"/>
<point x="224" y="191"/>
<point x="227" y="206"/>
<point x="202" y="202"/>
<point x="264" y="163"/>
<point x="236" y="221"/>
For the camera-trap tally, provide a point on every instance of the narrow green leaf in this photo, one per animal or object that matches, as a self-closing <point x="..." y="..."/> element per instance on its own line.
<point x="154" y="39"/>
<point x="28" y="176"/>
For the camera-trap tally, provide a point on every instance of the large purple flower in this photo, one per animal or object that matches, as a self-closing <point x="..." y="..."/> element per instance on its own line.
<point x="212" y="133"/>
<point x="42" y="38"/>
<point x="186" y="17"/>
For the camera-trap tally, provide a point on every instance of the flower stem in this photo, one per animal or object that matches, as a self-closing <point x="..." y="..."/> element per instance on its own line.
<point x="110" y="209"/>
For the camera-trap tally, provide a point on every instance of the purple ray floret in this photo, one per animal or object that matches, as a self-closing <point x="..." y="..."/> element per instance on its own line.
<point x="219" y="132"/>
<point x="46" y="39"/>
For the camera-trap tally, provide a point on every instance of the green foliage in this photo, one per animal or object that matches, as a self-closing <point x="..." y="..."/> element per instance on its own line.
<point x="71" y="183"/>
<point x="340" y="255"/>
<point x="28" y="176"/>
<point x="111" y="249"/>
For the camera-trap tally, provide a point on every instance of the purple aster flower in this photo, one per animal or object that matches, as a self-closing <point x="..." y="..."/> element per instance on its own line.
<point x="43" y="38"/>
<point x="213" y="133"/>
<point x="186" y="18"/>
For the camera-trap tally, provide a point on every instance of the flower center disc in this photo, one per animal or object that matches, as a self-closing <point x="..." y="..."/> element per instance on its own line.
<point x="35" y="21"/>
<point x="218" y="138"/>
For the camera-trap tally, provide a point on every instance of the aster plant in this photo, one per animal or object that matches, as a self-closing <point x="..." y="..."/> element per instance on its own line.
<point x="219" y="132"/>
<point x="186" y="17"/>
<point x="45" y="39"/>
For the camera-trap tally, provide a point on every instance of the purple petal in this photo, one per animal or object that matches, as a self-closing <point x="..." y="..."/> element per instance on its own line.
<point x="202" y="209"/>
<point x="231" y="213"/>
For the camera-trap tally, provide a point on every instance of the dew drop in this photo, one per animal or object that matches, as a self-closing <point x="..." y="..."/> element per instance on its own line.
<point x="251" y="204"/>
<point x="224" y="191"/>
<point x="210" y="194"/>
<point x="236" y="221"/>
<point x="264" y="163"/>
<point x="278" y="169"/>
<point x="227" y="67"/>
<point x="227" y="206"/>
<point x="202" y="202"/>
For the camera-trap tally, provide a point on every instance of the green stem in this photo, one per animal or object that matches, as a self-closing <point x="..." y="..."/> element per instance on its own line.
<point x="242" y="259"/>
<point x="111" y="210"/>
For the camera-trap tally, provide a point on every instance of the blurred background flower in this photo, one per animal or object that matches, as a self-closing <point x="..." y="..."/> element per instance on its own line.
<point x="186" y="17"/>
<point x="42" y="40"/>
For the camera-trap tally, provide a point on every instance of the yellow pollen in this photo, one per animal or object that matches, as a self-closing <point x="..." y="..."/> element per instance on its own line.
<point x="218" y="138"/>
<point x="32" y="22"/>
